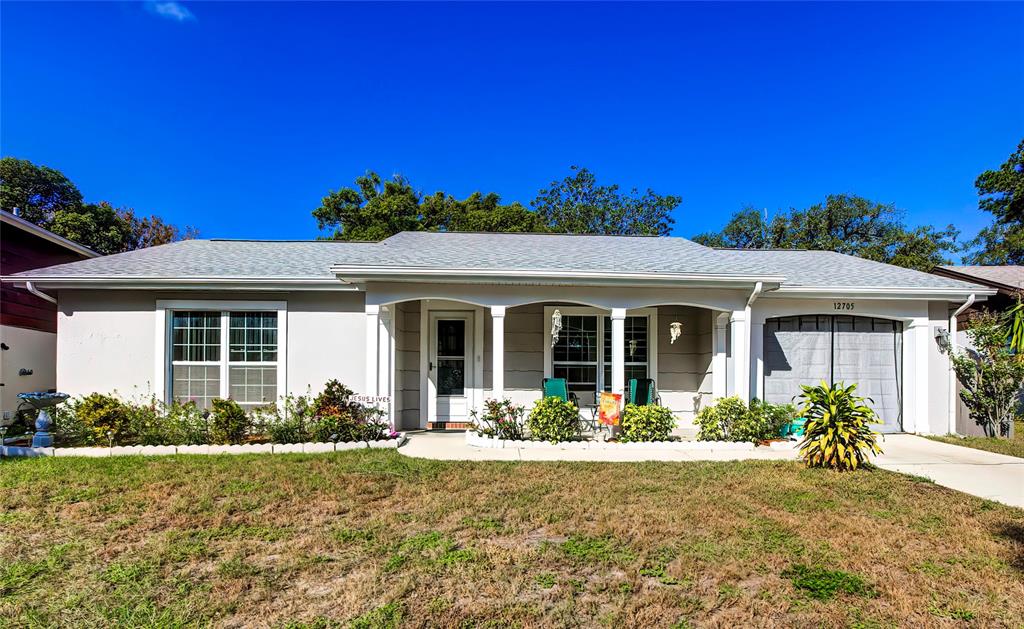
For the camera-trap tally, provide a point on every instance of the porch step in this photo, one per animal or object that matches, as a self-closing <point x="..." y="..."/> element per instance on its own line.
<point x="448" y="425"/>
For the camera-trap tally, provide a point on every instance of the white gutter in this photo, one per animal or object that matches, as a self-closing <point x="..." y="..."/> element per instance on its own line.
<point x="41" y="295"/>
<point x="951" y="420"/>
<point x="753" y="296"/>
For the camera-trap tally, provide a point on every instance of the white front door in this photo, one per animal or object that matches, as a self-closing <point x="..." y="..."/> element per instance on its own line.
<point x="450" y="366"/>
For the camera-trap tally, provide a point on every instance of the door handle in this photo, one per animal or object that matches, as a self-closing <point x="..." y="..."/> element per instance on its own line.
<point x="430" y="366"/>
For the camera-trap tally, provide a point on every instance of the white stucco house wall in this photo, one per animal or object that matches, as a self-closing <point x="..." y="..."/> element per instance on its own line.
<point x="439" y="322"/>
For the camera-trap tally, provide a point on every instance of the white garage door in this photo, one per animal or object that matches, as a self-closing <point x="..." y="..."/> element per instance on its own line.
<point x="852" y="350"/>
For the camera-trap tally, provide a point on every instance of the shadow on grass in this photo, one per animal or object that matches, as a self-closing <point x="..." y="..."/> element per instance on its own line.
<point x="1014" y="532"/>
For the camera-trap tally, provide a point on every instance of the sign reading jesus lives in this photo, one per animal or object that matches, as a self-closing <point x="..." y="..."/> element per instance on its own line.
<point x="371" y="399"/>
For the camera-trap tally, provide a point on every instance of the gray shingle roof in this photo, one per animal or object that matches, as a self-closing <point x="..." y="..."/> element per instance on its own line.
<point x="1006" y="275"/>
<point x="312" y="260"/>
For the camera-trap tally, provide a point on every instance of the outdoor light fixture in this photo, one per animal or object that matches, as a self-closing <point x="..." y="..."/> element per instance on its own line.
<point x="675" y="330"/>
<point x="942" y="338"/>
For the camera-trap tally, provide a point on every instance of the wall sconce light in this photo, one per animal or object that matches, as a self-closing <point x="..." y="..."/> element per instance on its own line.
<point x="942" y="338"/>
<point x="556" y="326"/>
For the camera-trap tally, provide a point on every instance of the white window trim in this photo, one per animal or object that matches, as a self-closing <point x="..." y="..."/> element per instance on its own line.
<point x="652" y="337"/>
<point x="162" y="358"/>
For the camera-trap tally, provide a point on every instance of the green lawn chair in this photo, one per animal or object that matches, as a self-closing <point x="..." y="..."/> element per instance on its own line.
<point x="642" y="392"/>
<point x="559" y="388"/>
<point x="795" y="428"/>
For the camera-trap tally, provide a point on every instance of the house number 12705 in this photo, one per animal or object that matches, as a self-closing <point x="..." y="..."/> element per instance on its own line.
<point x="844" y="305"/>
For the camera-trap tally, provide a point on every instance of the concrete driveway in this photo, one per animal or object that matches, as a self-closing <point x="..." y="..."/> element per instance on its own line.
<point x="984" y="474"/>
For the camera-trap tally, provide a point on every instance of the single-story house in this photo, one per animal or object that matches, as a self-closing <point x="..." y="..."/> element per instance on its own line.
<point x="439" y="322"/>
<point x="28" y="323"/>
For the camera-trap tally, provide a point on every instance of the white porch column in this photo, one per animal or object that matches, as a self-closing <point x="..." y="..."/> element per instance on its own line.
<point x="718" y="349"/>
<point x="619" y="351"/>
<point x="756" y="359"/>
<point x="915" y="418"/>
<point x="498" y="352"/>
<point x="739" y="334"/>
<point x="385" y="360"/>
<point x="372" y="353"/>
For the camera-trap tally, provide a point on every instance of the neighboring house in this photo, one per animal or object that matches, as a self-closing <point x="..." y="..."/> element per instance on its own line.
<point x="1008" y="282"/>
<point x="28" y="323"/>
<point x="439" y="322"/>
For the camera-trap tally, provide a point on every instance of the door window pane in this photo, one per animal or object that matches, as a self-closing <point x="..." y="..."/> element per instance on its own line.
<point x="451" y="337"/>
<point x="451" y="376"/>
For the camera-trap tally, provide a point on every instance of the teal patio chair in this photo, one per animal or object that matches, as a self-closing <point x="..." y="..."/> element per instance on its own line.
<point x="559" y="388"/>
<point x="642" y="392"/>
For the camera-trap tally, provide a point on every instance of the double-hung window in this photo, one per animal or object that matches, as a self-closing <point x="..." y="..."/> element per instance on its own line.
<point x="583" y="353"/>
<point x="226" y="354"/>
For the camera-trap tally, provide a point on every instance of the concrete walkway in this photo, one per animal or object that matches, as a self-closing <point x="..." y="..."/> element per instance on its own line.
<point x="984" y="474"/>
<point x="451" y="446"/>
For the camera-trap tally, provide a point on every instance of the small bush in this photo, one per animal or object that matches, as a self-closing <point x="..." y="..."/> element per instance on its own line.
<point x="228" y="422"/>
<point x="732" y="420"/>
<point x="716" y="422"/>
<point x="554" y="420"/>
<point x="503" y="420"/>
<point x="646" y="423"/>
<point x="284" y="423"/>
<point x="335" y="417"/>
<point x="102" y="417"/>
<point x="837" y="434"/>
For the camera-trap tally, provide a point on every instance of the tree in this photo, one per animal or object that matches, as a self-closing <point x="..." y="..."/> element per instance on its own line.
<point x="47" y="198"/>
<point x="843" y="223"/>
<point x="1001" y="192"/>
<point x="578" y="205"/>
<point x="477" y="213"/>
<point x="37" y="192"/>
<point x="991" y="373"/>
<point x="373" y="210"/>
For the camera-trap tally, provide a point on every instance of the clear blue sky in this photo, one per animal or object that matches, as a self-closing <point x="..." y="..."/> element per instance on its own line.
<point x="238" y="117"/>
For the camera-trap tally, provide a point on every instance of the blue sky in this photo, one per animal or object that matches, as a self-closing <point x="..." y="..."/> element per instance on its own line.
<point x="238" y="117"/>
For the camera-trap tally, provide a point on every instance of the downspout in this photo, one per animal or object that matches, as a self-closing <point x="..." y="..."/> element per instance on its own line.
<point x="38" y="293"/>
<point x="952" y="350"/>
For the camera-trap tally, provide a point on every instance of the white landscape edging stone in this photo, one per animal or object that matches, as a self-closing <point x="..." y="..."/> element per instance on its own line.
<point x="248" y="448"/>
<point x="480" y="441"/>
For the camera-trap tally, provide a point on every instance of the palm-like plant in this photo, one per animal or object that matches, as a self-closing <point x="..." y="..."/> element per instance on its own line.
<point x="1016" y="316"/>
<point x="837" y="435"/>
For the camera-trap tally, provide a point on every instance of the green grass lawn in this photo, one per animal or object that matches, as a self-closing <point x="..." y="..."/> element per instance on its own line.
<point x="1013" y="447"/>
<point x="372" y="538"/>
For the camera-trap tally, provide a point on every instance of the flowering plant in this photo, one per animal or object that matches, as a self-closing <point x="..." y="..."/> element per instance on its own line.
<point x="501" y="419"/>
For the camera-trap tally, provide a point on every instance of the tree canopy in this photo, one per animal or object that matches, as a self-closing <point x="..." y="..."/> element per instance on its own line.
<point x="844" y="223"/>
<point x="1001" y="192"/>
<point x="376" y="208"/>
<point x="44" y="196"/>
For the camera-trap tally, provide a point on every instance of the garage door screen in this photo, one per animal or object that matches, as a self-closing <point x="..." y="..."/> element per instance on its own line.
<point x="837" y="348"/>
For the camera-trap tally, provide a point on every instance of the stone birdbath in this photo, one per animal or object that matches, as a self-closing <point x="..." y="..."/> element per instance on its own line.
<point x="43" y="401"/>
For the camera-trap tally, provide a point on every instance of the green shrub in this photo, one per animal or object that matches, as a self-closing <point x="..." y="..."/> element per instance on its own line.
<point x="732" y="420"/>
<point x="335" y="417"/>
<point x="284" y="423"/>
<point x="554" y="420"/>
<point x="646" y="423"/>
<point x="716" y="422"/>
<point x="102" y="417"/>
<point x="228" y="422"/>
<point x="837" y="434"/>
<point x="503" y="420"/>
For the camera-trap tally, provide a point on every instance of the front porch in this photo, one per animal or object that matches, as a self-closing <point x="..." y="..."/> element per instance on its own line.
<point x="440" y="357"/>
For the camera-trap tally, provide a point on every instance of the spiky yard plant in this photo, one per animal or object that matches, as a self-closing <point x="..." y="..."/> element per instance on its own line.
<point x="838" y="433"/>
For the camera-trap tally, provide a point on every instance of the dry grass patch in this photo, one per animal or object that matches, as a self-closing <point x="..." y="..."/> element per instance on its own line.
<point x="374" y="539"/>
<point x="1011" y="447"/>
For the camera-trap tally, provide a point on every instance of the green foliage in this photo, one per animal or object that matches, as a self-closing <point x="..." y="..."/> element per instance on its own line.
<point x="102" y="417"/>
<point x="822" y="584"/>
<point x="844" y="223"/>
<point x="375" y="209"/>
<point x="46" y="197"/>
<point x="1001" y="192"/>
<point x="503" y="420"/>
<point x="170" y="424"/>
<point x="554" y="420"/>
<point x="597" y="550"/>
<point x="732" y="420"/>
<point x="991" y="374"/>
<point x="837" y="434"/>
<point x="335" y="417"/>
<point x="228" y="422"/>
<point x="646" y="423"/>
<point x="578" y="205"/>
